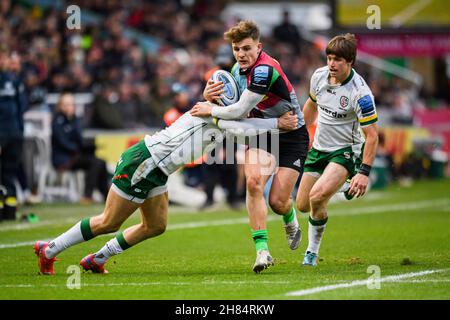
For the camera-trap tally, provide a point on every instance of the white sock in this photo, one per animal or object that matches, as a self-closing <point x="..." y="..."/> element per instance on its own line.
<point x="111" y="248"/>
<point x="64" y="241"/>
<point x="315" y="234"/>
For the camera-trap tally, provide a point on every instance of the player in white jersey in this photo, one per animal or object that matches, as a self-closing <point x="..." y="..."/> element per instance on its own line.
<point x="140" y="182"/>
<point x="344" y="106"/>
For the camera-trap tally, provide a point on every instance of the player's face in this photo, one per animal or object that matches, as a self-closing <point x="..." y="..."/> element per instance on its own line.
<point x="338" y="66"/>
<point x="246" y="52"/>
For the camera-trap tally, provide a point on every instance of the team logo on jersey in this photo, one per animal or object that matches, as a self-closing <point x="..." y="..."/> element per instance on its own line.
<point x="344" y="102"/>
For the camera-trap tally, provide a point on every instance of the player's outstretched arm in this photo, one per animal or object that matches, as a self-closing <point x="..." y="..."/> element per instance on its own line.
<point x="238" y="110"/>
<point x="358" y="185"/>
<point x="255" y="126"/>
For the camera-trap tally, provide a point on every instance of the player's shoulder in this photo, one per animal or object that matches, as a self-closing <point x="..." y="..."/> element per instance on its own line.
<point x="359" y="86"/>
<point x="320" y="73"/>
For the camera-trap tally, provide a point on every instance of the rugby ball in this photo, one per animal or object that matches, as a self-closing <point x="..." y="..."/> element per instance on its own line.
<point x="230" y="87"/>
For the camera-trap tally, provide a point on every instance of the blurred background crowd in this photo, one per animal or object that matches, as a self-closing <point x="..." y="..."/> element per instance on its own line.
<point x="136" y="61"/>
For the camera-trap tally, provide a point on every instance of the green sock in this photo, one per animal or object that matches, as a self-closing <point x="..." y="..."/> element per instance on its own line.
<point x="122" y="242"/>
<point x="86" y="231"/>
<point x="289" y="216"/>
<point x="260" y="239"/>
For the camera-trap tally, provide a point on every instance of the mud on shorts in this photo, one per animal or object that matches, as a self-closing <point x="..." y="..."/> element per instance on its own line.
<point x="290" y="150"/>
<point x="137" y="177"/>
<point x="318" y="160"/>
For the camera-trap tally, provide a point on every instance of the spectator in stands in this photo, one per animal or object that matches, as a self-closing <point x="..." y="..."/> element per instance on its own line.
<point x="15" y="67"/>
<point x="106" y="110"/>
<point x="288" y="33"/>
<point x="12" y="107"/>
<point x="181" y="104"/>
<point x="67" y="149"/>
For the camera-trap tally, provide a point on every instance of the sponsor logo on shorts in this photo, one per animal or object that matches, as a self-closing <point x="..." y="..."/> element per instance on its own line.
<point x="298" y="163"/>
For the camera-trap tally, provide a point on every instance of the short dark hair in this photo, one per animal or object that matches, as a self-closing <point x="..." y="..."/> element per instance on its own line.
<point x="244" y="29"/>
<point x="343" y="46"/>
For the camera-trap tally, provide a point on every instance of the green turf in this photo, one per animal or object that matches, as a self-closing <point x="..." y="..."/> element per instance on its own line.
<point x="401" y="230"/>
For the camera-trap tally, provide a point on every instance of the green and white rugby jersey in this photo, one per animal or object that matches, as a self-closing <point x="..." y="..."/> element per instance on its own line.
<point x="342" y="110"/>
<point x="190" y="137"/>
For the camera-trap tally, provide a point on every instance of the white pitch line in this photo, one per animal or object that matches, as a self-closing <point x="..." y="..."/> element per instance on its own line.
<point x="143" y="284"/>
<point x="442" y="202"/>
<point x="188" y="225"/>
<point x="357" y="283"/>
<point x="394" y="279"/>
<point x="27" y="225"/>
<point x="405" y="206"/>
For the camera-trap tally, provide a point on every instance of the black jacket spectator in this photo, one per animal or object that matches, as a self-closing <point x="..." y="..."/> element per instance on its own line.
<point x="67" y="141"/>
<point x="67" y="149"/>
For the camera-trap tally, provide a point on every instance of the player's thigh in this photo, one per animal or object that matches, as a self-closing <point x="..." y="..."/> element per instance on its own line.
<point x="329" y="183"/>
<point x="259" y="166"/>
<point x="306" y="184"/>
<point x="154" y="211"/>
<point x="117" y="210"/>
<point x="283" y="184"/>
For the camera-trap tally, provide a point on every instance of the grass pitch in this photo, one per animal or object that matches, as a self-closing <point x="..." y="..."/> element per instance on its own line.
<point x="398" y="238"/>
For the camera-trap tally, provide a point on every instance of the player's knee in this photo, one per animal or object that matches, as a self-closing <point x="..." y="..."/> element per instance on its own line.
<point x="254" y="185"/>
<point x="317" y="197"/>
<point x="303" y="205"/>
<point x="159" y="229"/>
<point x="154" y="230"/>
<point x="279" y="205"/>
<point x="106" y="226"/>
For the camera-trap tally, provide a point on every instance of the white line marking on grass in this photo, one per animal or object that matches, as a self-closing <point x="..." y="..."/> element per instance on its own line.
<point x="443" y="202"/>
<point x="188" y="225"/>
<point x="144" y="284"/>
<point x="17" y="244"/>
<point x="27" y="225"/>
<point x="405" y="206"/>
<point x="364" y="282"/>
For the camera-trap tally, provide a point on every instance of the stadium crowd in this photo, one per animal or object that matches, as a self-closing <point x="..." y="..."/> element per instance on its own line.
<point x="132" y="85"/>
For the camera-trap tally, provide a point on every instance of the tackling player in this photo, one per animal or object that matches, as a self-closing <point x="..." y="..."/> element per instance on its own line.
<point x="266" y="93"/>
<point x="343" y="105"/>
<point x="140" y="182"/>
